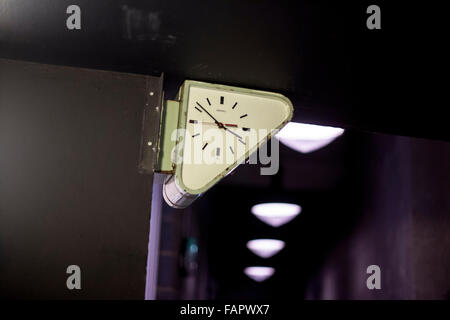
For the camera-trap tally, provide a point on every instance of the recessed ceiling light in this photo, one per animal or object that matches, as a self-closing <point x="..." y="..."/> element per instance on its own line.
<point x="265" y="248"/>
<point x="276" y="214"/>
<point x="307" y="138"/>
<point x="259" y="274"/>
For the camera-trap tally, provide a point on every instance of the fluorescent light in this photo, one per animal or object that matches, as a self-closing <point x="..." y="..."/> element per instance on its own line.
<point x="307" y="138"/>
<point x="265" y="248"/>
<point x="259" y="274"/>
<point x="276" y="214"/>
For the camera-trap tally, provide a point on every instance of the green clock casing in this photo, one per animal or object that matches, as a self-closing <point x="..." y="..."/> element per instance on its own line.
<point x="209" y="130"/>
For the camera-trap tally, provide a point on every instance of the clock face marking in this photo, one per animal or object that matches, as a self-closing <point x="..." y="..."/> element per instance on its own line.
<point x="200" y="105"/>
<point x="213" y="130"/>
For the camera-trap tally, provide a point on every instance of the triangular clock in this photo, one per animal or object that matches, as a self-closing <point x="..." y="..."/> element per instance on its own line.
<point x="209" y="130"/>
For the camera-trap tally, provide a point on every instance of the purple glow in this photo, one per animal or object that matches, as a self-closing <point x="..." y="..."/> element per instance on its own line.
<point x="276" y="214"/>
<point x="265" y="248"/>
<point x="259" y="274"/>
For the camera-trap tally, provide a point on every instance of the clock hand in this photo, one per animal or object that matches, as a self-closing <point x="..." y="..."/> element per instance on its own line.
<point x="212" y="123"/>
<point x="233" y="133"/>
<point x="220" y="125"/>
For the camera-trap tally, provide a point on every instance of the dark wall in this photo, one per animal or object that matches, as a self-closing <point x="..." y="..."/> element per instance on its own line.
<point x="70" y="190"/>
<point x="403" y="228"/>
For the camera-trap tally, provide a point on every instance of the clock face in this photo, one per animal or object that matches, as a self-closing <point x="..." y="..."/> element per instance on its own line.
<point x="223" y="127"/>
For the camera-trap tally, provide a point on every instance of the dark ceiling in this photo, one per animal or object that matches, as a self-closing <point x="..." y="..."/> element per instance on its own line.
<point x="318" y="53"/>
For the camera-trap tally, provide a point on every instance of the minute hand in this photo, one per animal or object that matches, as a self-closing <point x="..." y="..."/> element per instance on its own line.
<point x="219" y="124"/>
<point x="209" y="114"/>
